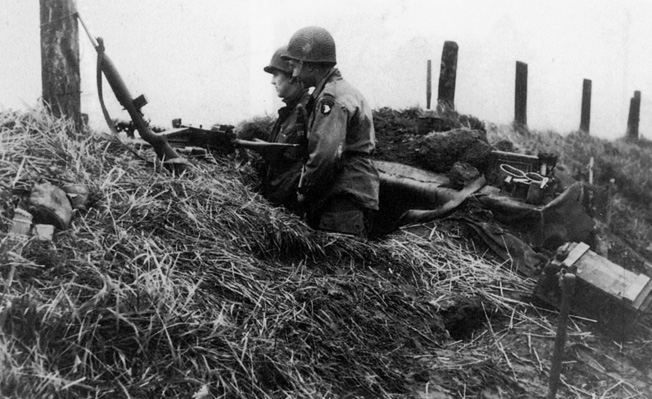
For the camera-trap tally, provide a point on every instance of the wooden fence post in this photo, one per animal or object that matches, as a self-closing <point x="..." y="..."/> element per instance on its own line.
<point x="447" y="76"/>
<point x="520" y="95"/>
<point x="585" y="119"/>
<point x="60" y="59"/>
<point x="429" y="84"/>
<point x="633" y="118"/>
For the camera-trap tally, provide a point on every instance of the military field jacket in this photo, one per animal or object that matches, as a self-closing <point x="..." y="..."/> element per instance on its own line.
<point x="341" y="140"/>
<point x="281" y="176"/>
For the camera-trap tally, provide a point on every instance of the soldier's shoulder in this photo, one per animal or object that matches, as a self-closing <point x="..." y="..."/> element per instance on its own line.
<point x="330" y="90"/>
<point x="327" y="95"/>
<point x="343" y="93"/>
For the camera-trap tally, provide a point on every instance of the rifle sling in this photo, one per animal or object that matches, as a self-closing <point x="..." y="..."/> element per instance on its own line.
<point x="105" y="112"/>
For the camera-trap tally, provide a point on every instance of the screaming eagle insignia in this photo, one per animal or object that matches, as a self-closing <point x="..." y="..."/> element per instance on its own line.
<point x="326" y="104"/>
<point x="325" y="109"/>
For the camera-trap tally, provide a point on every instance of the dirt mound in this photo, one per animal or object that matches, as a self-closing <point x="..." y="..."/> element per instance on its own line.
<point x="399" y="140"/>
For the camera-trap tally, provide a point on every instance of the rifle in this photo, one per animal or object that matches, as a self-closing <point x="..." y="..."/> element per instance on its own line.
<point x="159" y="143"/>
<point x="219" y="139"/>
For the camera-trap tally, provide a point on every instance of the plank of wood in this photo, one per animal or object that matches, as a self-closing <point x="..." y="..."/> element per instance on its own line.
<point x="635" y="287"/>
<point x="610" y="277"/>
<point x="644" y="298"/>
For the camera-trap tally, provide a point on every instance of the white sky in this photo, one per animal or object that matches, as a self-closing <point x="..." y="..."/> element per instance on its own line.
<point x="202" y="60"/>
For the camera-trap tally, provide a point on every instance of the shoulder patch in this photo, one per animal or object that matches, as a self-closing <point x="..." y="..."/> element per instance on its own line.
<point x="326" y="104"/>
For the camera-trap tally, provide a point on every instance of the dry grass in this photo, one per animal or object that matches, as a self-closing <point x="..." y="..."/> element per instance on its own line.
<point x="169" y="286"/>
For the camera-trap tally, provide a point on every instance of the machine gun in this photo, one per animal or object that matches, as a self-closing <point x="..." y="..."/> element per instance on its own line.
<point x="105" y="66"/>
<point x="220" y="139"/>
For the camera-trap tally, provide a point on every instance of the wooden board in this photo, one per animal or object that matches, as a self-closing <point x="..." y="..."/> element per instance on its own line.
<point x="612" y="279"/>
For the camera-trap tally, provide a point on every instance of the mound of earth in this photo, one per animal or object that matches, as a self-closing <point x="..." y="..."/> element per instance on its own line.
<point x="195" y="286"/>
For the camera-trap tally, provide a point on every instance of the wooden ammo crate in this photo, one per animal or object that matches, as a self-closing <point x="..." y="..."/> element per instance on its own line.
<point x="605" y="291"/>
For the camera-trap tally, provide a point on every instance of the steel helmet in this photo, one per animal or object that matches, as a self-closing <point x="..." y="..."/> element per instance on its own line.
<point x="279" y="64"/>
<point x="312" y="44"/>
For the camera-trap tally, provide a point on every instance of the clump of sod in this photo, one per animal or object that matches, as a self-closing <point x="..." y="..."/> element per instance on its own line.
<point x="173" y="286"/>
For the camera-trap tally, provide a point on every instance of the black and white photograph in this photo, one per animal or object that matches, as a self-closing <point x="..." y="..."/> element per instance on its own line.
<point x="398" y="199"/>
